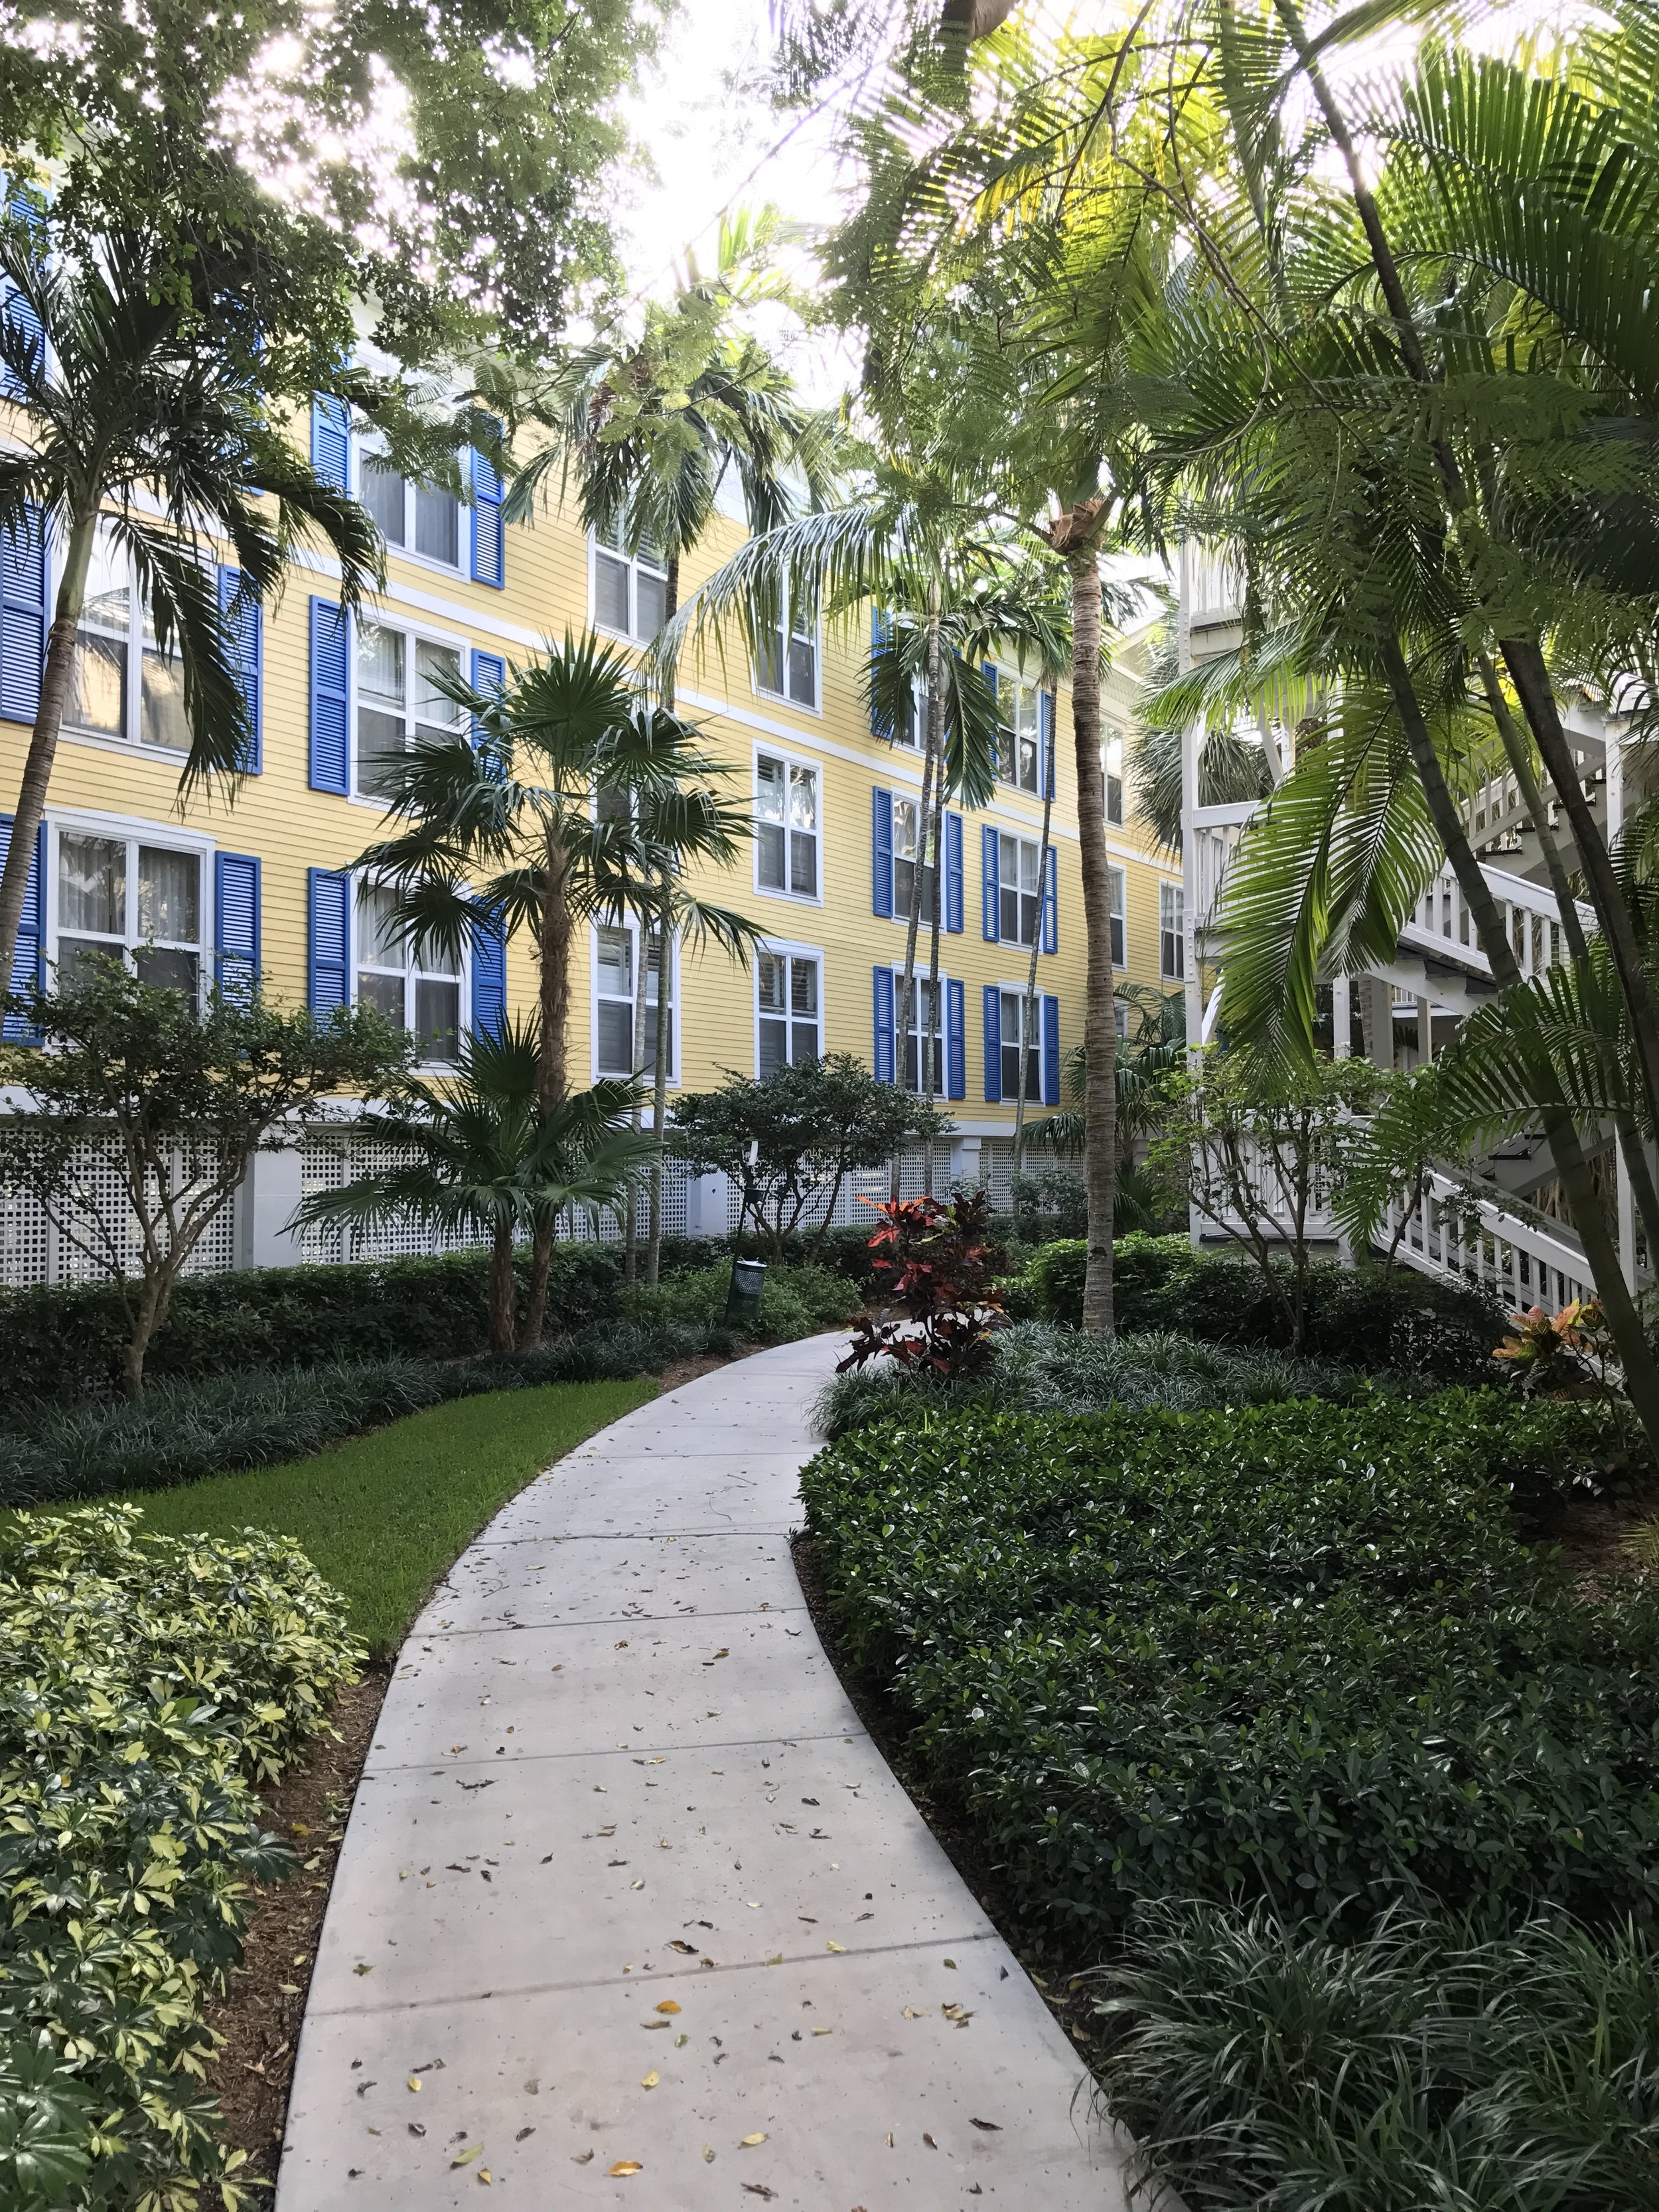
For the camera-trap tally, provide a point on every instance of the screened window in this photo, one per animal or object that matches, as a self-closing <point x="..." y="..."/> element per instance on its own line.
<point x="618" y="1051"/>
<point x="787" y="666"/>
<point x="924" y="1036"/>
<point x="1019" y="896"/>
<point x="398" y="700"/>
<point x="630" y="589"/>
<point x="1172" y="930"/>
<point x="1117" y="880"/>
<point x="416" y="518"/>
<point x="137" y="903"/>
<point x="1017" y="1010"/>
<point x="417" y="993"/>
<point x="905" y="816"/>
<point x="121" y="683"/>
<point x="787" y="998"/>
<point x="1019" y="746"/>
<point x="786" y="827"/>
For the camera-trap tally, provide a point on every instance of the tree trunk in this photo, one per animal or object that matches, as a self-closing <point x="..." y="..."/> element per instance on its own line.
<point x="151" y="1312"/>
<point x="660" y="1088"/>
<point x="1028" y="1004"/>
<point x="43" y="749"/>
<point x="930" y="759"/>
<point x="502" y="1289"/>
<point x="1099" y="1027"/>
<point x="1578" y="1184"/>
<point x="552" y="1069"/>
<point x="631" y="1229"/>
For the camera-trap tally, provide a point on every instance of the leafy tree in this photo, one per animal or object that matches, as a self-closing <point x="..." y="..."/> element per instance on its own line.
<point x="789" y="1140"/>
<point x="125" y="399"/>
<point x="183" y="1099"/>
<point x="482" y="1155"/>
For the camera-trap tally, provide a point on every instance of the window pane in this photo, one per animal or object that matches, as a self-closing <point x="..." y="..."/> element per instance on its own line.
<point x="161" y="704"/>
<point x="92" y="884"/>
<point x="379" y="944"/>
<point x="436" y="715"/>
<point x="804" y="988"/>
<point x="768" y="857"/>
<point x="381" y="747"/>
<point x="97" y="686"/>
<point x="803" y="1042"/>
<point x="437" y="1017"/>
<point x="79" y="956"/>
<point x="615" y="1037"/>
<point x="385" y="994"/>
<point x="1005" y="754"/>
<point x="648" y="1046"/>
<point x="768" y="789"/>
<point x="611" y="535"/>
<point x="803" y="864"/>
<point x="804" y="670"/>
<point x="382" y="494"/>
<point x="168" y="888"/>
<point x="773" y="1044"/>
<point x="803" y="798"/>
<point x="164" y="968"/>
<point x="610" y="592"/>
<point x="108" y="598"/>
<point x="651" y="607"/>
<point x="653" y="970"/>
<point x="614" y="959"/>
<point x="380" y="663"/>
<point x="769" y="971"/>
<point x="437" y="525"/>
<point x="768" y="665"/>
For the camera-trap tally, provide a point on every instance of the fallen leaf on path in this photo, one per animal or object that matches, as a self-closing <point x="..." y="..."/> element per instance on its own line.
<point x="624" y="2166"/>
<point x="750" y="2141"/>
<point x="650" y="2081"/>
<point x="834" y="1946"/>
<point x="931" y="2144"/>
<point x="361" y="1969"/>
<point x="416" y="2127"/>
<point x="776" y="1961"/>
<point x="676" y="1943"/>
<point x="708" y="2154"/>
<point x="951" y="1963"/>
<point x="668" y="2005"/>
<point x="467" y="2156"/>
<point x="414" y="2087"/>
<point x="991" y="2127"/>
<point x="760" y="2189"/>
<point x="583" y="2158"/>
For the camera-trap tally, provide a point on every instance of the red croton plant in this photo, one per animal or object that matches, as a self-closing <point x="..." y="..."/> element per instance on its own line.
<point x="938" y="1268"/>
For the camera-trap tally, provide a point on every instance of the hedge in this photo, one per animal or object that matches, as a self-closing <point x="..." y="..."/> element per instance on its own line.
<point x="1292" y="1653"/>
<point x="1367" y="1316"/>
<point x="146" y="1684"/>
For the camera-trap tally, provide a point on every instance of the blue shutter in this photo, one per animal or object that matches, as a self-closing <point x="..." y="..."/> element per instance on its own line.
<point x="488" y="981"/>
<point x="992" y="1045"/>
<point x="1051" y="903"/>
<point x="22" y="616"/>
<point x="15" y="309"/>
<point x="331" y="441"/>
<point x="884" y="1026"/>
<point x="331" y="696"/>
<point x="956" y="1041"/>
<point x="246" y="619"/>
<point x="236" y="923"/>
<point x="990" y="675"/>
<point x="28" y="967"/>
<point x="488" y="673"/>
<point x="1050" y="1049"/>
<point x="953" y="873"/>
<point x="881" y="854"/>
<point x="1046" y="731"/>
<point x="881" y="630"/>
<point x="329" y="931"/>
<point x="990" y="924"/>
<point x="489" y="531"/>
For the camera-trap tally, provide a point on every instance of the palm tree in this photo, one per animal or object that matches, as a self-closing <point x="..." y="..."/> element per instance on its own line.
<point x="126" y="396"/>
<point x="481" y="1155"/>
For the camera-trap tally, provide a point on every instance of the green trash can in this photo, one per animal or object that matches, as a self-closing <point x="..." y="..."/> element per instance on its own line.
<point x="743" y="1298"/>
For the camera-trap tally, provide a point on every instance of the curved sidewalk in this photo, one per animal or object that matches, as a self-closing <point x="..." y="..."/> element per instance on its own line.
<point x="626" y="1883"/>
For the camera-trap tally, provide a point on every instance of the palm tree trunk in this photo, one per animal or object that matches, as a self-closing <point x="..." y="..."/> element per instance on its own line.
<point x="1583" y="1203"/>
<point x="43" y="739"/>
<point x="502" y="1288"/>
<point x="1028" y="1004"/>
<point x="929" y="760"/>
<point x="552" y="1066"/>
<point x="659" y="1086"/>
<point x="1099" y="1026"/>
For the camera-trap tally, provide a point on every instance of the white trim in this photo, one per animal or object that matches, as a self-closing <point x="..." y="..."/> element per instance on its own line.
<point x="415" y="634"/>
<point x="791" y="760"/>
<point x="133" y="829"/>
<point x="786" y="948"/>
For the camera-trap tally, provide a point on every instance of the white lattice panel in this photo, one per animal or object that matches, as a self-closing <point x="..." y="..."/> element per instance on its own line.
<point x="328" y="1164"/>
<point x="98" y="1231"/>
<point x="24" y="1248"/>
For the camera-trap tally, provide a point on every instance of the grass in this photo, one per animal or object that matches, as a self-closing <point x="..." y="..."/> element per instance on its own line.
<point x="382" y="1516"/>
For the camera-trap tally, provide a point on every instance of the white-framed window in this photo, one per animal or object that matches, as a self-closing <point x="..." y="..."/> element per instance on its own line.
<point x="418" y="992"/>
<point x="121" y="684"/>
<point x="1019" y="745"/>
<point x="906" y="833"/>
<point x="617" y="1049"/>
<point x="1017" y="1010"/>
<point x="1019" y="889"/>
<point x="135" y="897"/>
<point x="786" y="666"/>
<point x="395" y="698"/>
<point x="1172" y="931"/>
<point x="912" y="732"/>
<point x="1111" y="761"/>
<point x="424" y="519"/>
<point x="788" y="827"/>
<point x="1118" y="884"/>
<point x="923" y="1027"/>
<point x="788" y="1007"/>
<point x="1121" y="1020"/>
<point x="630" y="589"/>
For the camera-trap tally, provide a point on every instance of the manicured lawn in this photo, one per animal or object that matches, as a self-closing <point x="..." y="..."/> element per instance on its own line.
<point x="382" y="1516"/>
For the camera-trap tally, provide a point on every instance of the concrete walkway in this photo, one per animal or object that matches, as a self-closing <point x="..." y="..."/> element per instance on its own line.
<point x="630" y="1909"/>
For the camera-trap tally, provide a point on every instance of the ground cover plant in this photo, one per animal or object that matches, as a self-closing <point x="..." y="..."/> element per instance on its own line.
<point x="147" y="1685"/>
<point x="390" y="1511"/>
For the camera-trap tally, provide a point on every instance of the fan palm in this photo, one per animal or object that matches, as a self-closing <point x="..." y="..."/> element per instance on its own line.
<point x="124" y="398"/>
<point x="481" y="1155"/>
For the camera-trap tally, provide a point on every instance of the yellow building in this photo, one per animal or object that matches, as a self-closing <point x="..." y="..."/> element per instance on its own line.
<point x="264" y="878"/>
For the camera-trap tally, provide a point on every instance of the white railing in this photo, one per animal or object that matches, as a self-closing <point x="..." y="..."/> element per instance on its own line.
<point x="1464" y="1237"/>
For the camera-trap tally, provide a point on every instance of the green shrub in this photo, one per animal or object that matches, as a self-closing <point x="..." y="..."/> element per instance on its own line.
<point x="1292" y="1652"/>
<point x="1271" y="2065"/>
<point x="1038" y="1368"/>
<point x="147" y="1684"/>
<point x="182" y="1431"/>
<point x="66" y="1344"/>
<point x="796" y="1301"/>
